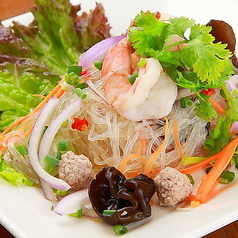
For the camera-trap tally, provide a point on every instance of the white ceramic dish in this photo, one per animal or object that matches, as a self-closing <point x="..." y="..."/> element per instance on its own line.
<point x="26" y="213"/>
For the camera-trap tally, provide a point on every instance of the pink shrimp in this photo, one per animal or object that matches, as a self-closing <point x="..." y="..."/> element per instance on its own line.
<point x="152" y="94"/>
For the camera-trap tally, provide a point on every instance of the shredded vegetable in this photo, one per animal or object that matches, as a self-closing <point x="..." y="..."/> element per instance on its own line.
<point x="103" y="112"/>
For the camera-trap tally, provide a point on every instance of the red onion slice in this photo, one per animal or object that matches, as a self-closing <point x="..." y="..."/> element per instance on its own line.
<point x="71" y="203"/>
<point x="234" y="127"/>
<point x="33" y="145"/>
<point x="98" y="51"/>
<point x="232" y="83"/>
<point x="54" y="126"/>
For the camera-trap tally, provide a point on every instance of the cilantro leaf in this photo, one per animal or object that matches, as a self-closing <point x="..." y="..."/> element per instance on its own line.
<point x="204" y="109"/>
<point x="193" y="60"/>
<point x="148" y="34"/>
<point x="209" y="61"/>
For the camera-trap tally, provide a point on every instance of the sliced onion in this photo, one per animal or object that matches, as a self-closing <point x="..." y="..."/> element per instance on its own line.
<point x="88" y="211"/>
<point x="98" y="51"/>
<point x="71" y="203"/>
<point x="33" y="145"/>
<point x="232" y="83"/>
<point x="234" y="127"/>
<point x="54" y="126"/>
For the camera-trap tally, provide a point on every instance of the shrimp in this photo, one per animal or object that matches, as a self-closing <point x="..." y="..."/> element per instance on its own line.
<point x="152" y="94"/>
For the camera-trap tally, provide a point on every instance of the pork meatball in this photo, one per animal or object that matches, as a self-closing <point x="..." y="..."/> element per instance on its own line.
<point x="172" y="186"/>
<point x="76" y="170"/>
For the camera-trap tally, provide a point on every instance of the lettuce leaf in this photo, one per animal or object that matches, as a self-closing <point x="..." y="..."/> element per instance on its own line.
<point x="12" y="176"/>
<point x="32" y="57"/>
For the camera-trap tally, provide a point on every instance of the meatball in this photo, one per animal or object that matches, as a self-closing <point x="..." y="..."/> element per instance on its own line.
<point x="76" y="170"/>
<point x="172" y="186"/>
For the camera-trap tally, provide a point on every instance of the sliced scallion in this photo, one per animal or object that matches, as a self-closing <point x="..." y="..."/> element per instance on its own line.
<point x="75" y="69"/>
<point x="80" y="93"/>
<point x="78" y="214"/>
<point x="81" y="85"/>
<point x="190" y="177"/>
<point x="225" y="177"/>
<point x="61" y="193"/>
<point x="132" y="78"/>
<point x="51" y="160"/>
<point x="98" y="64"/>
<point x="142" y="62"/>
<point x="120" y="230"/>
<point x="108" y="212"/>
<point x="63" y="145"/>
<point x="186" y="102"/>
<point x="71" y="78"/>
<point x="22" y="149"/>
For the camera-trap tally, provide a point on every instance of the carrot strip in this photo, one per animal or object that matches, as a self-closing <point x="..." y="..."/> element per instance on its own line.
<point x="124" y="162"/>
<point x="38" y="95"/>
<point x="154" y="156"/>
<point x="217" y="106"/>
<point x="176" y="137"/>
<point x="60" y="93"/>
<point x="143" y="145"/>
<point x="208" y="181"/>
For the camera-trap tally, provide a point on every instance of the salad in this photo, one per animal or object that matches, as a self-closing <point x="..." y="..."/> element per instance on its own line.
<point x="128" y="122"/>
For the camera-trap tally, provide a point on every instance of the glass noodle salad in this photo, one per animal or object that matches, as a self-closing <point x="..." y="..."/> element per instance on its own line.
<point x="126" y="126"/>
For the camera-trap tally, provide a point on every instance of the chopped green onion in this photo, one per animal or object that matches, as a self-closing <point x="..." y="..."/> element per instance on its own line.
<point x="142" y="62"/>
<point x="192" y="160"/>
<point x="75" y="69"/>
<point x="133" y="77"/>
<point x="186" y="102"/>
<point x="109" y="212"/>
<point x="80" y="93"/>
<point x="81" y="85"/>
<point x="71" y="78"/>
<point x="120" y="230"/>
<point x="61" y="193"/>
<point x="78" y="214"/>
<point x="98" y="64"/>
<point x="63" y="145"/>
<point x="225" y="177"/>
<point x="22" y="149"/>
<point x="190" y="177"/>
<point x="51" y="160"/>
<point x="209" y="144"/>
<point x="236" y="166"/>
<point x="58" y="156"/>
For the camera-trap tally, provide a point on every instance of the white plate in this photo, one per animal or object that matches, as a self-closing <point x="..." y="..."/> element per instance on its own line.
<point x="25" y="212"/>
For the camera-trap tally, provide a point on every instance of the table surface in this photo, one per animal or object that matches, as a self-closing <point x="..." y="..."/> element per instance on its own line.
<point x="6" y="11"/>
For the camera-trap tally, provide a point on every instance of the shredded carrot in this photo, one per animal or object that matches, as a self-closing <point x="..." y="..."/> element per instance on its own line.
<point x="176" y="137"/>
<point x="143" y="145"/>
<point x="60" y="93"/>
<point x="209" y="180"/>
<point x="38" y="95"/>
<point x="217" y="107"/>
<point x="154" y="156"/>
<point x="124" y="162"/>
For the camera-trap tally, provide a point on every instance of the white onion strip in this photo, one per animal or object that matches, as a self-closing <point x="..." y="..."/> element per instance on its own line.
<point x="33" y="145"/>
<point x="71" y="203"/>
<point x="54" y="126"/>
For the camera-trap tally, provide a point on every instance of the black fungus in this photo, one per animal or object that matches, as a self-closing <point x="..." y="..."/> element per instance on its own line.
<point x="224" y="33"/>
<point x="127" y="198"/>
